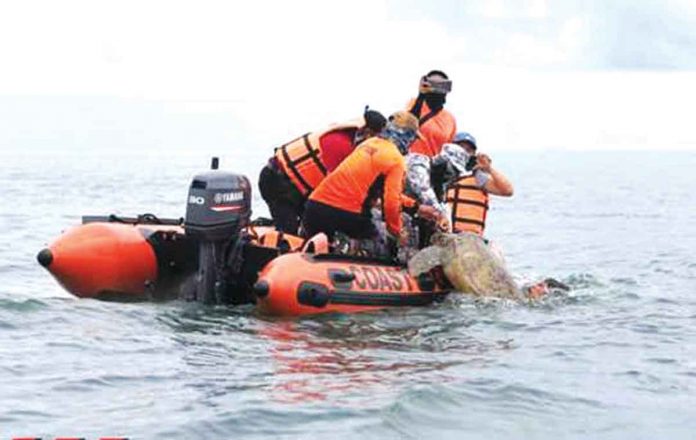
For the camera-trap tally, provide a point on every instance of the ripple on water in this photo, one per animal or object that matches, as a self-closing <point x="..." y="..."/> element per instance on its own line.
<point x="626" y="281"/>
<point x="610" y="358"/>
<point x="24" y="305"/>
<point x="644" y="327"/>
<point x="13" y="416"/>
<point x="662" y="361"/>
<point x="582" y="281"/>
<point x="471" y="406"/>
<point x="264" y="420"/>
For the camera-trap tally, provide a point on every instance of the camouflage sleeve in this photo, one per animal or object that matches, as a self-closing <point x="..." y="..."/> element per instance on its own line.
<point x="418" y="180"/>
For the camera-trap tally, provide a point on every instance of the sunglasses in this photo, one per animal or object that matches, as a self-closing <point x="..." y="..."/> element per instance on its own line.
<point x="436" y="85"/>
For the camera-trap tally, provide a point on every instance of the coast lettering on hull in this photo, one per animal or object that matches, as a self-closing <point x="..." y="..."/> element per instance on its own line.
<point x="383" y="279"/>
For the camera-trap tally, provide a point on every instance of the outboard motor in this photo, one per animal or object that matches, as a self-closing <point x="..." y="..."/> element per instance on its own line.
<point x="218" y="208"/>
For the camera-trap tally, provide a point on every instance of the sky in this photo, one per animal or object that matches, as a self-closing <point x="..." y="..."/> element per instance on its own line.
<point x="247" y="76"/>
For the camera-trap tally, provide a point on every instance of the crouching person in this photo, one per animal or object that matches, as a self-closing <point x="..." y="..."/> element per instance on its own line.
<point x="300" y="165"/>
<point x="343" y="201"/>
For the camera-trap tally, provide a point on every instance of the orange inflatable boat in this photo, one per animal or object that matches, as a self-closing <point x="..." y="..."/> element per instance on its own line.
<point x="217" y="255"/>
<point x="301" y="284"/>
<point x="143" y="258"/>
<point x="124" y="259"/>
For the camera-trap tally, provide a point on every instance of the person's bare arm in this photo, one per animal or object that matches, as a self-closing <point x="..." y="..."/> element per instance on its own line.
<point x="498" y="184"/>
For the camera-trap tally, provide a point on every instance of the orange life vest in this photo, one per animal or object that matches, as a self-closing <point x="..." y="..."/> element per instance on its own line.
<point x="469" y="205"/>
<point x="279" y="240"/>
<point x="300" y="159"/>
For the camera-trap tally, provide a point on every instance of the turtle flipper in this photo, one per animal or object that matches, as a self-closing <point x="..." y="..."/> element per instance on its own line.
<point x="426" y="259"/>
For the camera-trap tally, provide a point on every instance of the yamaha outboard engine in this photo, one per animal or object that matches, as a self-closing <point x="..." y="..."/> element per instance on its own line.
<point x="218" y="208"/>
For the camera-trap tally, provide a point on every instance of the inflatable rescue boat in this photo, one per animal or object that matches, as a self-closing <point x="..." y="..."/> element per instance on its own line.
<point x="217" y="255"/>
<point x="303" y="283"/>
<point x="124" y="259"/>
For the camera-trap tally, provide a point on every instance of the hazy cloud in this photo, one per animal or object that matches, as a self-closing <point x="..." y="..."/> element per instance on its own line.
<point x="581" y="34"/>
<point x="527" y="73"/>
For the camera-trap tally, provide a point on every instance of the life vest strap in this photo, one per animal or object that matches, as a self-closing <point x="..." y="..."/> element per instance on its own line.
<point x="416" y="110"/>
<point x="470" y="221"/>
<point x="312" y="153"/>
<point x="429" y="116"/>
<point x="293" y="168"/>
<point x="460" y="186"/>
<point x="468" y="202"/>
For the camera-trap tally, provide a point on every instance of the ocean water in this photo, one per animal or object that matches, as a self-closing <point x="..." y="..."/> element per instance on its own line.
<point x="614" y="358"/>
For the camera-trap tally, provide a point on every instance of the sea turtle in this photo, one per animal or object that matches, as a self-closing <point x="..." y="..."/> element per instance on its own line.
<point x="472" y="267"/>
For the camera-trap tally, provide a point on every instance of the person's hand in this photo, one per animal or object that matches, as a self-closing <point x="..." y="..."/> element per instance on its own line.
<point x="432" y="214"/>
<point x="403" y="237"/>
<point x="483" y="162"/>
<point x="443" y="224"/>
<point x="428" y="212"/>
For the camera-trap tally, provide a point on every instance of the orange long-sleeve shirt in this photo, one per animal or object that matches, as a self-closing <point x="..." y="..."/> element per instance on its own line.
<point x="348" y="186"/>
<point x="438" y="130"/>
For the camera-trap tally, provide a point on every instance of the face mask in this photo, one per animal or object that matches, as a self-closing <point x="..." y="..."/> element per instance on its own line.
<point x="402" y="138"/>
<point x="449" y="174"/>
<point x="435" y="100"/>
<point x="471" y="163"/>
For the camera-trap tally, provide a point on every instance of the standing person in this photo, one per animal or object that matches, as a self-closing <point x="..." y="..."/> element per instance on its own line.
<point x="436" y="124"/>
<point x="375" y="170"/>
<point x="300" y="165"/>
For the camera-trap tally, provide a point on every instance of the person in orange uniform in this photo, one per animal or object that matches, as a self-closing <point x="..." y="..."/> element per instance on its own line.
<point x="467" y="198"/>
<point x="300" y="165"/>
<point x="375" y="170"/>
<point x="437" y="125"/>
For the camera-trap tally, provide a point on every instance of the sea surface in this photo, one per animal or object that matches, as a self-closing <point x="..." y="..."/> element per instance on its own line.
<point x="615" y="358"/>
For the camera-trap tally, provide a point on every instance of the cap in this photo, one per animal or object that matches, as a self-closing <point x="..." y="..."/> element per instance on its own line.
<point x="374" y="120"/>
<point x="463" y="136"/>
<point x="454" y="154"/>
<point x="405" y="121"/>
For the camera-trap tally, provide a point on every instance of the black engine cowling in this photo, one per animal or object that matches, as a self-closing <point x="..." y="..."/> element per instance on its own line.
<point x="218" y="208"/>
<point x="219" y="205"/>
